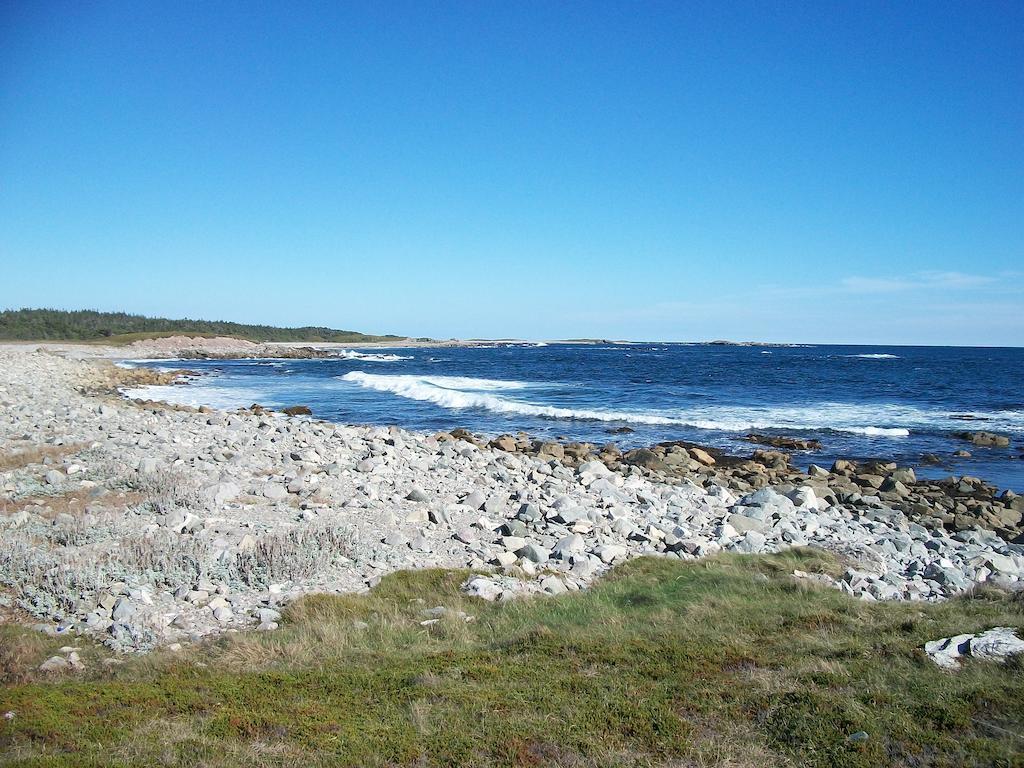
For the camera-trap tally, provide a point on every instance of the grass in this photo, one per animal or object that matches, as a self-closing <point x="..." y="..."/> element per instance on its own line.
<point x="21" y="456"/>
<point x="728" y="662"/>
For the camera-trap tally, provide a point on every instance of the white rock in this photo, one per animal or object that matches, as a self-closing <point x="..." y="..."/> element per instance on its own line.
<point x="483" y="588"/>
<point x="996" y="644"/>
<point x="275" y="491"/>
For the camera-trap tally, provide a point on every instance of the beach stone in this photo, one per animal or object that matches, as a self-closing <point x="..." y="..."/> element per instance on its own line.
<point x="505" y="443"/>
<point x="475" y="500"/>
<point x="417" y="495"/>
<point x="534" y="553"/>
<point x="891" y="485"/>
<point x="702" y="456"/>
<point x="1001" y="564"/>
<point x="513" y="543"/>
<point x="148" y="465"/>
<point x="180" y="520"/>
<point x="267" y="615"/>
<point x="122" y="609"/>
<point x="990" y="439"/>
<point x="221" y="493"/>
<point x="223" y="614"/>
<point x="611" y="552"/>
<point x="569" y="545"/>
<point x="596" y="468"/>
<point x="55" y="664"/>
<point x="505" y="559"/>
<point x="529" y="513"/>
<point x="496" y="505"/>
<point x="550" y="450"/>
<point x="553" y="585"/>
<point x="570" y="515"/>
<point x="514" y="528"/>
<point x="275" y="491"/>
<point x="644" y="457"/>
<point x="466" y="535"/>
<point x="770" y="500"/>
<point x="418" y="515"/>
<point x="804" y="496"/>
<point x="742" y="523"/>
<point x="752" y="541"/>
<point x="996" y="644"/>
<point x="439" y="516"/>
<point x="483" y="588"/>
<point x="905" y="475"/>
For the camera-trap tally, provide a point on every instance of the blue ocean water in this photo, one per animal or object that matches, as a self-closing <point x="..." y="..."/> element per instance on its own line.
<point x="860" y="402"/>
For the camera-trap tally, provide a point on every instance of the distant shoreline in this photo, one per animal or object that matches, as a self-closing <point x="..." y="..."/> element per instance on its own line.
<point x="172" y="347"/>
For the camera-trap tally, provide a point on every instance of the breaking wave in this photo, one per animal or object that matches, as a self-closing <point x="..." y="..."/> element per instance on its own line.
<point x="458" y="392"/>
<point x="878" y="356"/>
<point x="371" y="357"/>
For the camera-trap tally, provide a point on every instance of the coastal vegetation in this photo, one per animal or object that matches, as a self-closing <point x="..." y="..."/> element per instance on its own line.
<point x="727" y="661"/>
<point x="120" y="327"/>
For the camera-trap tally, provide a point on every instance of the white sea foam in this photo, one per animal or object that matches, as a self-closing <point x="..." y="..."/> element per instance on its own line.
<point x="156" y="363"/>
<point x="372" y="357"/>
<point x="877" y="431"/>
<point x="400" y="383"/>
<point x="458" y="392"/>
<point x="225" y="398"/>
<point x="878" y="356"/>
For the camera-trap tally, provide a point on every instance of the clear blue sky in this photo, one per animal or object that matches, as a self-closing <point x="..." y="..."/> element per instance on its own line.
<point x="848" y="172"/>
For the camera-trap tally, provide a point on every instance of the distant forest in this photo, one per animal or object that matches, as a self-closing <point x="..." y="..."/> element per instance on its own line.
<point x="90" y="325"/>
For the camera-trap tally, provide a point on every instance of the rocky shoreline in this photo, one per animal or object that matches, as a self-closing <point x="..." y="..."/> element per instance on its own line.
<point x="144" y="524"/>
<point x="956" y="503"/>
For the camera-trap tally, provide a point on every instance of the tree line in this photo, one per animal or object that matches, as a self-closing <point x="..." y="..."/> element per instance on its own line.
<point x="92" y="325"/>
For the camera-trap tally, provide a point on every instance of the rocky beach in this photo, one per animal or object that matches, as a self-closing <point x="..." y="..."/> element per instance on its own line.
<point x="144" y="524"/>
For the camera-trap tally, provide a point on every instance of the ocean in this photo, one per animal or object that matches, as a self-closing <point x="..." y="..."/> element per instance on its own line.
<point x="859" y="402"/>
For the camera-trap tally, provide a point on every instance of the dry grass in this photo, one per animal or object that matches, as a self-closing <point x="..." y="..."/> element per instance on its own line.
<point x="21" y="654"/>
<point x="73" y="503"/>
<point x="21" y="456"/>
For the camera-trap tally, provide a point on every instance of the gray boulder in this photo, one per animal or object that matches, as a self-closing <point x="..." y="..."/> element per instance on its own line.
<point x="535" y="553"/>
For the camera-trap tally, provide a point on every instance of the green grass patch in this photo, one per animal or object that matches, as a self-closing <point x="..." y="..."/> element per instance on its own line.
<point x="729" y="661"/>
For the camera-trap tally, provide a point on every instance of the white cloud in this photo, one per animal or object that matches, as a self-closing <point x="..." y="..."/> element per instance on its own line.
<point x="918" y="281"/>
<point x="954" y="280"/>
<point x="874" y="284"/>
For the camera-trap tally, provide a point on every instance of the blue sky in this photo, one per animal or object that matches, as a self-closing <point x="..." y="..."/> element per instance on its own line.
<point x="846" y="172"/>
